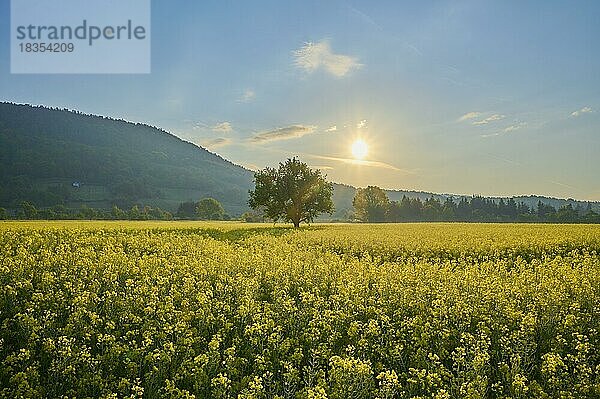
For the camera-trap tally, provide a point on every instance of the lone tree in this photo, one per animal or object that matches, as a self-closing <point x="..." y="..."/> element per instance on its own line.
<point x="370" y="204"/>
<point x="210" y="209"/>
<point x="293" y="192"/>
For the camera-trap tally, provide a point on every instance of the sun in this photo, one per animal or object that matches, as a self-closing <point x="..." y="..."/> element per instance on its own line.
<point x="360" y="149"/>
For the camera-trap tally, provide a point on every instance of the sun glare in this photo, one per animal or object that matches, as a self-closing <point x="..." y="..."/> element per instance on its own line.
<point x="360" y="149"/>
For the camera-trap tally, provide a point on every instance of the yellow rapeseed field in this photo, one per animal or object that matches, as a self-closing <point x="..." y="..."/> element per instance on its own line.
<point x="231" y="310"/>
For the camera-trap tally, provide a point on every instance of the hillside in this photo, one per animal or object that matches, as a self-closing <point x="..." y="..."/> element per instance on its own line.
<point x="43" y="152"/>
<point x="56" y="156"/>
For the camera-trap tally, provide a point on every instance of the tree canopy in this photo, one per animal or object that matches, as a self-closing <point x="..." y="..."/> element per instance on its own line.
<point x="293" y="193"/>
<point x="210" y="209"/>
<point x="370" y="204"/>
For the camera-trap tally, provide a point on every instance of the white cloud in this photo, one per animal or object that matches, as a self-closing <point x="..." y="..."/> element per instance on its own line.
<point x="313" y="56"/>
<point x="223" y="127"/>
<point x="350" y="161"/>
<point x="199" y="126"/>
<point x="584" y="110"/>
<point x="283" y="133"/>
<point x="331" y="129"/>
<point x="216" y="142"/>
<point x="509" y="129"/>
<point x="493" y="118"/>
<point x="247" y="96"/>
<point x="362" y="124"/>
<point x="514" y="127"/>
<point x="469" y="115"/>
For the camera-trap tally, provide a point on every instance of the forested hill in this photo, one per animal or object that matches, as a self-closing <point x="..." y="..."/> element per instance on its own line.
<point x="46" y="153"/>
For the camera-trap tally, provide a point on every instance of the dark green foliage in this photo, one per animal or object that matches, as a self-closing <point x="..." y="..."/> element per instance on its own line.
<point x="133" y="162"/>
<point x="255" y="216"/>
<point x="27" y="210"/>
<point x="144" y="213"/>
<point x="293" y="192"/>
<point x="89" y="213"/>
<point x="205" y="209"/>
<point x="371" y="204"/>
<point x="210" y="209"/>
<point x="117" y="213"/>
<point x="59" y="212"/>
<point x="187" y="210"/>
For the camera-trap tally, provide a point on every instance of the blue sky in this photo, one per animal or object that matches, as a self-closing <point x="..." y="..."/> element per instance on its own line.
<point x="467" y="97"/>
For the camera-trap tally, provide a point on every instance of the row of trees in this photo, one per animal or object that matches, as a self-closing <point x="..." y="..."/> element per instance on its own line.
<point x="295" y="193"/>
<point x="205" y="209"/>
<point x="371" y="204"/>
<point x="28" y="211"/>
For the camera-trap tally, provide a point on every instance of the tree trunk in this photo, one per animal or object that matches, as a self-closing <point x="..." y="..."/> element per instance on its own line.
<point x="295" y="217"/>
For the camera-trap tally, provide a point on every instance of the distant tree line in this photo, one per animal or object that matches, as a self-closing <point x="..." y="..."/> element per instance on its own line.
<point x="371" y="204"/>
<point x="205" y="209"/>
<point x="28" y="211"/>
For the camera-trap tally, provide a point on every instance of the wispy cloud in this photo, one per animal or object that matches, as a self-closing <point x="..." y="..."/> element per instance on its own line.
<point x="331" y="129"/>
<point x="509" y="129"/>
<point x="362" y="124"/>
<point x="313" y="56"/>
<point x="468" y="116"/>
<point x="579" y="112"/>
<point x="247" y="96"/>
<point x="283" y="133"/>
<point x="503" y="159"/>
<point x="216" y="142"/>
<point x="350" y="161"/>
<point x="199" y="126"/>
<point x="485" y="136"/>
<point x="223" y="127"/>
<point x="562" y="184"/>
<point x="493" y="118"/>
<point x="516" y="126"/>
